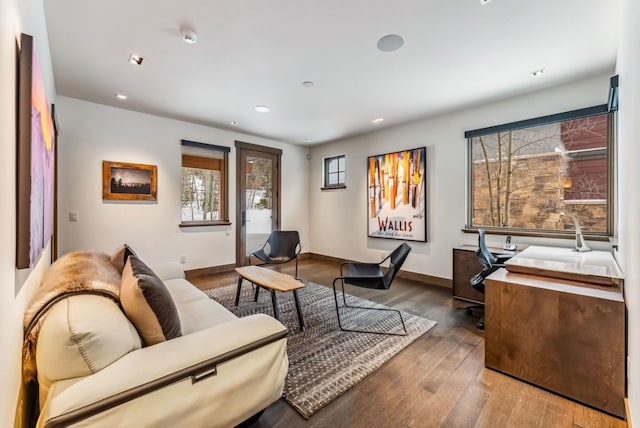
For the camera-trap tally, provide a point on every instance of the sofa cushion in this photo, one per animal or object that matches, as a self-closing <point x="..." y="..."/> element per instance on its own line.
<point x="148" y="303"/>
<point x="120" y="255"/>
<point x="81" y="335"/>
<point x="197" y="311"/>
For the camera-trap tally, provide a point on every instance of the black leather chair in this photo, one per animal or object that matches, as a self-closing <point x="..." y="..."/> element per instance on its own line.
<point x="370" y="275"/>
<point x="282" y="246"/>
<point x="490" y="263"/>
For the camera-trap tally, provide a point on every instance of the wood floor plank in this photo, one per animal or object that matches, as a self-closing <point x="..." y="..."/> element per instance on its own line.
<point x="467" y="409"/>
<point x="444" y="400"/>
<point x="437" y="381"/>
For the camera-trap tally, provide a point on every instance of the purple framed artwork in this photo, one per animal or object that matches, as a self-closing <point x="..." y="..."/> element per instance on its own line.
<point x="35" y="160"/>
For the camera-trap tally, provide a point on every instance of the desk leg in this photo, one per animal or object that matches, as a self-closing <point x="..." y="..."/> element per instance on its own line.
<point x="238" y="291"/>
<point x="300" y="319"/>
<point x="255" y="298"/>
<point x="275" y="305"/>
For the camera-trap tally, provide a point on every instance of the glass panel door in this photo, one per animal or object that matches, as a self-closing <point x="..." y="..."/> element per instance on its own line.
<point x="257" y="196"/>
<point x="258" y="202"/>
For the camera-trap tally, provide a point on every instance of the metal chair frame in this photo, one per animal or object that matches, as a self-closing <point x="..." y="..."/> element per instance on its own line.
<point x="378" y="280"/>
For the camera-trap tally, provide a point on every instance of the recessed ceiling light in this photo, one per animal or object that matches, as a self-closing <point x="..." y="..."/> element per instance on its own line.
<point x="188" y="35"/>
<point x="262" y="109"/>
<point x="308" y="84"/>
<point x="484" y="1"/>
<point x="537" y="72"/>
<point x="233" y="122"/>
<point x="121" y="96"/>
<point x="377" y="120"/>
<point x="135" y="59"/>
<point x="390" y="43"/>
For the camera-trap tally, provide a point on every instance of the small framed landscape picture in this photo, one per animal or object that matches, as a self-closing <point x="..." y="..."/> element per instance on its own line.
<point x="129" y="181"/>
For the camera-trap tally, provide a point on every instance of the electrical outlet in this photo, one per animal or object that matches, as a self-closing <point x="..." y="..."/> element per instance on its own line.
<point x="183" y="259"/>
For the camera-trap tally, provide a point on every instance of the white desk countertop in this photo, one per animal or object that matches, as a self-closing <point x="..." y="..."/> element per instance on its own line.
<point x="595" y="266"/>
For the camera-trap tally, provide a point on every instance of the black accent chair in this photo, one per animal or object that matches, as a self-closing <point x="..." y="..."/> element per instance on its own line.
<point x="282" y="246"/>
<point x="370" y="275"/>
<point x="490" y="263"/>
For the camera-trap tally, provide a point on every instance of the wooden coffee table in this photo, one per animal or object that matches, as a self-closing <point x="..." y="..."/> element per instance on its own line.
<point x="272" y="281"/>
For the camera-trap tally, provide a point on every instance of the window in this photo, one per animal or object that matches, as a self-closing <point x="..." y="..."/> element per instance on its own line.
<point x="534" y="175"/>
<point x="204" y="199"/>
<point x="334" y="172"/>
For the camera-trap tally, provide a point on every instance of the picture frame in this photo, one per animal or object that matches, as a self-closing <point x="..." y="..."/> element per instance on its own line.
<point x="396" y="196"/>
<point x="129" y="181"/>
<point x="35" y="159"/>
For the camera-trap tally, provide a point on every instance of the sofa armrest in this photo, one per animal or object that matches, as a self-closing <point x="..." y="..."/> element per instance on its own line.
<point x="207" y="357"/>
<point x="168" y="270"/>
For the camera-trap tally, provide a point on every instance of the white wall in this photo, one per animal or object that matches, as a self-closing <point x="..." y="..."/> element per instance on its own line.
<point x="629" y="176"/>
<point x="338" y="217"/>
<point x="91" y="133"/>
<point x="16" y="16"/>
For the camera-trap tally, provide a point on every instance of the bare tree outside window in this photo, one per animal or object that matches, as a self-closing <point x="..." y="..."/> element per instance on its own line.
<point x="203" y="198"/>
<point x="200" y="194"/>
<point x="526" y="178"/>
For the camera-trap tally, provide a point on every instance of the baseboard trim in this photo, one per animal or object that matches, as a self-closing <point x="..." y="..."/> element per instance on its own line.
<point x="413" y="276"/>
<point x="627" y="410"/>
<point x="211" y="270"/>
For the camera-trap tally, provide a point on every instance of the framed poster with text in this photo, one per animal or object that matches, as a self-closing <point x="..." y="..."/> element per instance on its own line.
<point x="396" y="204"/>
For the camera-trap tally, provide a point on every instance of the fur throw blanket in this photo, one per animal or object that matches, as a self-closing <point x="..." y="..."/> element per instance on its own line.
<point x="74" y="273"/>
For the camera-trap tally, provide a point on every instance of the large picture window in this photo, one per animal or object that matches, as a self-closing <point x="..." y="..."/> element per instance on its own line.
<point x="204" y="198"/>
<point x="532" y="176"/>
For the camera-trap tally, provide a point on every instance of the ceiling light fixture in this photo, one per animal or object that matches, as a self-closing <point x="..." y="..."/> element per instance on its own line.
<point x="484" y="1"/>
<point x="188" y="35"/>
<point x="377" y="120"/>
<point x="121" y="96"/>
<point x="390" y="43"/>
<point x="262" y="109"/>
<point x="135" y="59"/>
<point x="308" y="84"/>
<point x="233" y="122"/>
<point x="537" y="72"/>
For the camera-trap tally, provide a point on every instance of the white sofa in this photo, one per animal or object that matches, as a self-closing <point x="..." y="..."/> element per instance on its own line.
<point x="93" y="371"/>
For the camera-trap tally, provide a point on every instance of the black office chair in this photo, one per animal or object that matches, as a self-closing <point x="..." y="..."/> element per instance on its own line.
<point x="490" y="263"/>
<point x="370" y="275"/>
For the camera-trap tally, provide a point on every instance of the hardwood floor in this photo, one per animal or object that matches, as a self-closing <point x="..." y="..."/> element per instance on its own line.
<point x="438" y="381"/>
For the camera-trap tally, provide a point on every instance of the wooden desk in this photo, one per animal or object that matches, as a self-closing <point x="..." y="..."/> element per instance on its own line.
<point x="465" y="265"/>
<point x="562" y="335"/>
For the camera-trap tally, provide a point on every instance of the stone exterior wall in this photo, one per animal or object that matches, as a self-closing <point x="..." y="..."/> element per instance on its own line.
<point x="536" y="200"/>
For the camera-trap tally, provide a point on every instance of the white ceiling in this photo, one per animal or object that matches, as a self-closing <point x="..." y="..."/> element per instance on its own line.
<point x="258" y="52"/>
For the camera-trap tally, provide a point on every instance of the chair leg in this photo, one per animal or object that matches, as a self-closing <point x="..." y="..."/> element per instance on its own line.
<point x="335" y="295"/>
<point x="469" y="310"/>
<point x="255" y="297"/>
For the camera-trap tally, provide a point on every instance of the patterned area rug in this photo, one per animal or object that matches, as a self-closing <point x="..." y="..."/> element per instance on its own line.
<point x="324" y="361"/>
